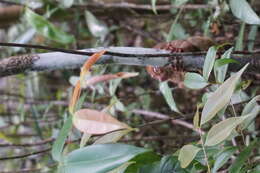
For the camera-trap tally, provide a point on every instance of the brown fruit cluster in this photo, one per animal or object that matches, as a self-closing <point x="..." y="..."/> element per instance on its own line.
<point x="174" y="72"/>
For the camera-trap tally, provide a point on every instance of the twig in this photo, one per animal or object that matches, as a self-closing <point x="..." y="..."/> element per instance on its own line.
<point x="25" y="155"/>
<point x="166" y="117"/>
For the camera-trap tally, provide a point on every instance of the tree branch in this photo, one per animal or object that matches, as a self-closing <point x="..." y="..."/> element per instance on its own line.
<point x="191" y="61"/>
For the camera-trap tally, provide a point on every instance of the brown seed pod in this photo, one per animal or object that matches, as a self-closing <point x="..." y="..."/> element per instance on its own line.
<point x="174" y="72"/>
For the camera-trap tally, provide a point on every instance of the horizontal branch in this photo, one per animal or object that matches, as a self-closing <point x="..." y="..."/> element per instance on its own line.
<point x="117" y="55"/>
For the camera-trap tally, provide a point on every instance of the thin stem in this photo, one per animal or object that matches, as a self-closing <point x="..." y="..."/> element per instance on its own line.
<point x="204" y="151"/>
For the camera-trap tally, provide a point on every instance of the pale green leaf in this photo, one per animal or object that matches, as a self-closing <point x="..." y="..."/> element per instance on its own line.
<point x="112" y="137"/>
<point x="96" y="27"/>
<point x="154" y="6"/>
<point x="221" y="131"/>
<point x="58" y="145"/>
<point x="242" y="10"/>
<point x="209" y="62"/>
<point x="221" y="97"/>
<point x="187" y="154"/>
<point x="167" y="93"/>
<point x="122" y="168"/>
<point x="194" y="81"/>
<point x="223" y="157"/>
<point x="220" y="71"/>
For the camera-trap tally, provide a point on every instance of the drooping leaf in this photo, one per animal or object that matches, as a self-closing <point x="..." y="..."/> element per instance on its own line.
<point x="194" y="81"/>
<point x="209" y="62"/>
<point x="222" y="130"/>
<point x="95" y="122"/>
<point x="221" y="66"/>
<point x="45" y="28"/>
<point x="167" y="93"/>
<point x="187" y="154"/>
<point x="221" y="97"/>
<point x="112" y="137"/>
<point x="99" y="158"/>
<point x="96" y="27"/>
<point x="58" y="145"/>
<point x="242" y="10"/>
<point x="242" y="157"/>
<point x="223" y="157"/>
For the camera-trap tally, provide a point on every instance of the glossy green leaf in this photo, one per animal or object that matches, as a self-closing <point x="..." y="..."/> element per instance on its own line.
<point x="168" y="164"/>
<point x="242" y="158"/>
<point x="220" y="67"/>
<point x="221" y="131"/>
<point x="242" y="10"/>
<point x="221" y="97"/>
<point x="223" y="157"/>
<point x="58" y="145"/>
<point x="122" y="168"/>
<point x="194" y="81"/>
<point x="167" y="93"/>
<point x="209" y="62"/>
<point x="45" y="28"/>
<point x="99" y="158"/>
<point x="96" y="27"/>
<point x="187" y="154"/>
<point x="141" y="160"/>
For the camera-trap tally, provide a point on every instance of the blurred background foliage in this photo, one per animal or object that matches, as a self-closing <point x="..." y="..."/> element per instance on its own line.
<point x="34" y="105"/>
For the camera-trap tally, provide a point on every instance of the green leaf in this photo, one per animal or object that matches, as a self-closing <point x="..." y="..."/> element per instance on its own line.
<point x="99" y="158"/>
<point x="242" y="10"/>
<point x="141" y="160"/>
<point x="223" y="157"/>
<point x="167" y="93"/>
<point x="221" y="97"/>
<point x="222" y="130"/>
<point x="122" y="168"/>
<point x="209" y="62"/>
<point x="194" y="81"/>
<point x="96" y="27"/>
<point x="251" y="116"/>
<point x="240" y="38"/>
<point x="242" y="157"/>
<point x="67" y="3"/>
<point x="180" y="2"/>
<point x="154" y="6"/>
<point x="221" y="66"/>
<point x="250" y="105"/>
<point x="112" y="137"/>
<point x="252" y="37"/>
<point x="187" y="154"/>
<point x="168" y="164"/>
<point x="58" y="145"/>
<point x="45" y="28"/>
